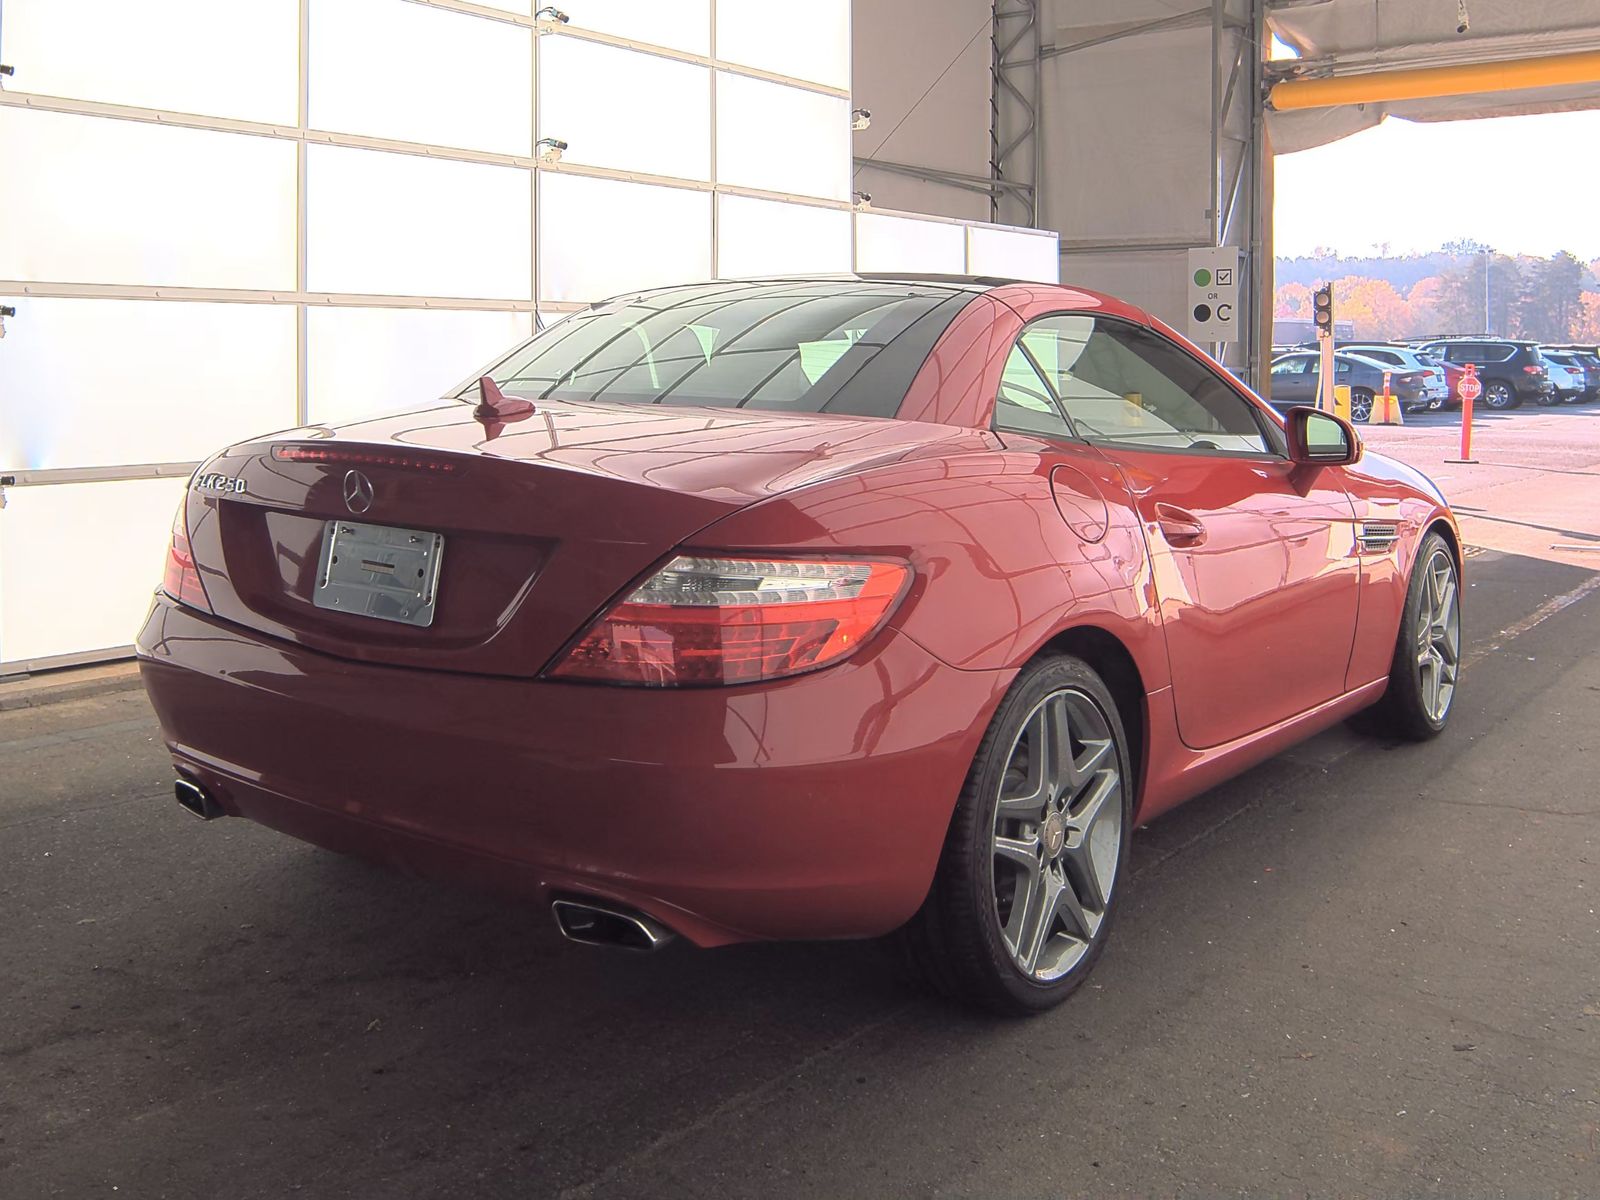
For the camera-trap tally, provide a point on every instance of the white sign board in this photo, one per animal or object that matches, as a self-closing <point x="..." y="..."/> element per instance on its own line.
<point x="1214" y="294"/>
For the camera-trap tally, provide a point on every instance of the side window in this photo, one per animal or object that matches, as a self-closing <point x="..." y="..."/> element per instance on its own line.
<point x="1291" y="366"/>
<point x="1341" y="367"/>
<point x="1461" y="352"/>
<point x="1119" y="383"/>
<point x="1024" y="403"/>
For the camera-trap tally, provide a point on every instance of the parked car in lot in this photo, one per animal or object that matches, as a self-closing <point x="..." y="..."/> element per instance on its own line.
<point x="1296" y="380"/>
<point x="816" y="608"/>
<point x="1510" y="371"/>
<point x="1454" y="373"/>
<point x="1591" y="371"/>
<point x="1403" y="359"/>
<point x="1575" y="376"/>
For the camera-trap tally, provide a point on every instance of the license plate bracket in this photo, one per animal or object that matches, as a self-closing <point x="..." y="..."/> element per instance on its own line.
<point x="379" y="571"/>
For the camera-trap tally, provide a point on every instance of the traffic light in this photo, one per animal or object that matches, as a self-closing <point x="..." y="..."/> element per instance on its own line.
<point x="1322" y="310"/>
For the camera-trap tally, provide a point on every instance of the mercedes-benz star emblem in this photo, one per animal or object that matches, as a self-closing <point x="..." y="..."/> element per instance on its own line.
<point x="357" y="492"/>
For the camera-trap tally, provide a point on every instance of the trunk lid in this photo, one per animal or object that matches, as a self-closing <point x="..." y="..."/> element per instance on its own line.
<point x="544" y="520"/>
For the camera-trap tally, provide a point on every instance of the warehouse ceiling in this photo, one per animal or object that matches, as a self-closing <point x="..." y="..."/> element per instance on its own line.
<point x="1365" y="37"/>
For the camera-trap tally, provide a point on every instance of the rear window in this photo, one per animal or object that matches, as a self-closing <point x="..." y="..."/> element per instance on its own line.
<point x="840" y="347"/>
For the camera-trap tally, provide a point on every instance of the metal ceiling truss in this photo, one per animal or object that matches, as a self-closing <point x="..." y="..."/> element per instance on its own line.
<point x="1016" y="151"/>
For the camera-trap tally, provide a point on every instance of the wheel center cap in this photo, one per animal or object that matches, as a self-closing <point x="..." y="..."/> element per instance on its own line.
<point x="1053" y="833"/>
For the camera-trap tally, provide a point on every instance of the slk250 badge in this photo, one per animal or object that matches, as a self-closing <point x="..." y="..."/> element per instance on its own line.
<point x="213" y="482"/>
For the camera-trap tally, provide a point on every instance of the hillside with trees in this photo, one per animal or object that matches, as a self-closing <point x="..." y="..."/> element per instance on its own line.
<point x="1554" y="299"/>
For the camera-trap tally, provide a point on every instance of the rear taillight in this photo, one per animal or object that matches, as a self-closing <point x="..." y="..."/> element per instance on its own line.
<point x="181" y="580"/>
<point x="705" y="621"/>
<point x="1530" y="369"/>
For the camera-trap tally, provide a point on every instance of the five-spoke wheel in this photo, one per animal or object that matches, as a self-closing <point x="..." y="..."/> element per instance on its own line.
<point x="1027" y="882"/>
<point x="1438" y="635"/>
<point x="1427" y="657"/>
<point x="1057" y="834"/>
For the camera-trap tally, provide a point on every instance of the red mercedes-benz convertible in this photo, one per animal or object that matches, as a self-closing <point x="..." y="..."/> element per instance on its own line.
<point x="798" y="609"/>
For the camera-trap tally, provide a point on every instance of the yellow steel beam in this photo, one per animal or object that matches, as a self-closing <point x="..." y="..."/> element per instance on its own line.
<point x="1427" y="83"/>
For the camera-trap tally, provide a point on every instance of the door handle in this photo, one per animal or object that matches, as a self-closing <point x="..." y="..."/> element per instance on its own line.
<point x="1180" y="526"/>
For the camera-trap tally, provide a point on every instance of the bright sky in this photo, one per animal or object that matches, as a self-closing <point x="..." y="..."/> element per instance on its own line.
<point x="1524" y="185"/>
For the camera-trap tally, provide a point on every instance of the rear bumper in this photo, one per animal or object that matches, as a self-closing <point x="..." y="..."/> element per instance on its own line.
<point x="808" y="808"/>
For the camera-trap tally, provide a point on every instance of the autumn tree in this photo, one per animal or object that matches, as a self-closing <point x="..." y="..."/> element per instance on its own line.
<point x="1293" y="300"/>
<point x="1422" y="308"/>
<point x="1463" y="305"/>
<point x="1554" y="292"/>
<point x="1375" y="308"/>
<point x="1586" y="326"/>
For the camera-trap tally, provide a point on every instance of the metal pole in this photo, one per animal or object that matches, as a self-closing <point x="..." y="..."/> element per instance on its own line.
<point x="1216" y="121"/>
<point x="1258" y="341"/>
<point x="1218" y="349"/>
<point x="1038" y="118"/>
<point x="994" y="109"/>
<point x="1487" y="320"/>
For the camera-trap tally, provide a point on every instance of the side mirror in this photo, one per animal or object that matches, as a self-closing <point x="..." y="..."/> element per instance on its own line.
<point x="1321" y="439"/>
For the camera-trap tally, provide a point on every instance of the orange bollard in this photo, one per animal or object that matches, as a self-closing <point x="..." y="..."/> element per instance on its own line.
<point x="1471" y="389"/>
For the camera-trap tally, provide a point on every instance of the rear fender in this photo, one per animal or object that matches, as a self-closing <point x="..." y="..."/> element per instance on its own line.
<point x="999" y="572"/>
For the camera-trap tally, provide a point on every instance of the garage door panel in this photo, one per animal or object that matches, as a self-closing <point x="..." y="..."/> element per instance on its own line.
<point x="806" y="41"/>
<point x="889" y="243"/>
<point x="599" y="237"/>
<point x="404" y="225"/>
<point x="364" y="362"/>
<point x="1013" y="254"/>
<point x="236" y="59"/>
<point x="782" y="139"/>
<point x="121" y="202"/>
<point x="92" y="383"/>
<point x="767" y="237"/>
<point x="407" y="72"/>
<point x="681" y="25"/>
<point x="78" y="564"/>
<point x="653" y="115"/>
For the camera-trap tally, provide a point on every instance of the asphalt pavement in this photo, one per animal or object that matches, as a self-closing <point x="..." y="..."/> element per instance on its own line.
<point x="1364" y="968"/>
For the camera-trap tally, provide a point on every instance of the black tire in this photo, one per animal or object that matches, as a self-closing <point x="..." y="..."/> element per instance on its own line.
<point x="956" y="943"/>
<point x="1361" y="405"/>
<point x="1500" y="395"/>
<point x="1404" y="710"/>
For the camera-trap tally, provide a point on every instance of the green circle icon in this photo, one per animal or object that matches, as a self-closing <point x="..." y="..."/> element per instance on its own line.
<point x="1202" y="278"/>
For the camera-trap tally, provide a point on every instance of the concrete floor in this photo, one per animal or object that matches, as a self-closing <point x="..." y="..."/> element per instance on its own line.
<point x="1363" y="968"/>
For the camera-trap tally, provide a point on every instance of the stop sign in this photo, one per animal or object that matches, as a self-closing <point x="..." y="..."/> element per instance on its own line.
<point x="1471" y="387"/>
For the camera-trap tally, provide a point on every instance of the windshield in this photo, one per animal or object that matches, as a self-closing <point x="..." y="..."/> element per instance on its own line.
<point x="804" y="346"/>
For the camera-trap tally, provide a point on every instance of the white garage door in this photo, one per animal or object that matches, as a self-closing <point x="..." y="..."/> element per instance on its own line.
<point x="227" y="218"/>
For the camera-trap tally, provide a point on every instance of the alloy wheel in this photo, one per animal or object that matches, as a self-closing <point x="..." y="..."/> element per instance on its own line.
<point x="1361" y="405"/>
<point x="1438" y="635"/>
<point x="1498" y="395"/>
<point x="1057" y="836"/>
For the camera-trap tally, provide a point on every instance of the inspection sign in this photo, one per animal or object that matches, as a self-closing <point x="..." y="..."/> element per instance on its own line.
<point x="1214" y="294"/>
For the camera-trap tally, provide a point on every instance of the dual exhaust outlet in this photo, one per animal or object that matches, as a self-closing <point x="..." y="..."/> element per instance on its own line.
<point x="589" y="922"/>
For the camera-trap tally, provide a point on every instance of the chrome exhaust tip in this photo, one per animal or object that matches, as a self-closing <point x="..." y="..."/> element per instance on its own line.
<point x="601" y="925"/>
<point x="195" y="799"/>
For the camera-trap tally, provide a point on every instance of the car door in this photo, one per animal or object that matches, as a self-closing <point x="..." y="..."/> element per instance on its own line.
<point x="1253" y="557"/>
<point x="1293" y="381"/>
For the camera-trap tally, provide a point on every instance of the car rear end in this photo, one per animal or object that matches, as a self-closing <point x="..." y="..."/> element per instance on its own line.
<point x="1591" y="374"/>
<point x="519" y="654"/>
<point x="1530" y="374"/>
